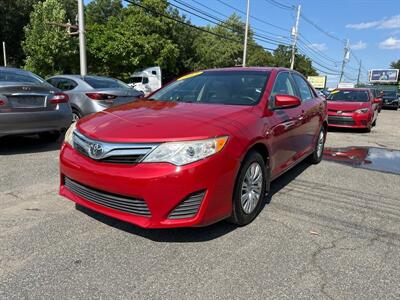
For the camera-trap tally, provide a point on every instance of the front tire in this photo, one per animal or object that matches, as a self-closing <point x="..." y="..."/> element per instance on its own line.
<point x="318" y="152"/>
<point x="250" y="189"/>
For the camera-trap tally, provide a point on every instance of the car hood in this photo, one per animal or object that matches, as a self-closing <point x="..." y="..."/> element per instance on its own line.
<point x="345" y="105"/>
<point x="158" y="121"/>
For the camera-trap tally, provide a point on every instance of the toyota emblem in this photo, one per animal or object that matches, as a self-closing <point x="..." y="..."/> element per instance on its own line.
<point x="96" y="150"/>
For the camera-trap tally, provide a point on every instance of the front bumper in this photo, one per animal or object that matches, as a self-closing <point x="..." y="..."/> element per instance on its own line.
<point x="162" y="186"/>
<point x="349" y="120"/>
<point x="390" y="104"/>
<point x="12" y="123"/>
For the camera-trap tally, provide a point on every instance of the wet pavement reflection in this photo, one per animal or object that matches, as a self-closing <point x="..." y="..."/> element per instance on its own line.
<point x="371" y="158"/>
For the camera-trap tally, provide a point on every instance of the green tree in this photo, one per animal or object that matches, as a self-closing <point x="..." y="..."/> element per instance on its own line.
<point x="99" y="11"/>
<point x="395" y="64"/>
<point x="48" y="48"/>
<point x="14" y="16"/>
<point x="225" y="48"/>
<point x="134" y="39"/>
<point x="303" y="64"/>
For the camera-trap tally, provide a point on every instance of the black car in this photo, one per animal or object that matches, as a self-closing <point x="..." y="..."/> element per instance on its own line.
<point x="390" y="99"/>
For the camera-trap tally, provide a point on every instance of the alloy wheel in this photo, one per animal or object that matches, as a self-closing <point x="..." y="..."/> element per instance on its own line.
<point x="251" y="187"/>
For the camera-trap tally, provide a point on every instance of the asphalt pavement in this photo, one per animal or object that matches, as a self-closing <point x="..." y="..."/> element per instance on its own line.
<point x="328" y="231"/>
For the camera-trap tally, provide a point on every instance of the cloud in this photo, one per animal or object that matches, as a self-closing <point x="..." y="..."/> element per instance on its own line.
<point x="363" y="25"/>
<point x="358" y="46"/>
<point x="390" y="43"/>
<point x="385" y="23"/>
<point x="319" y="47"/>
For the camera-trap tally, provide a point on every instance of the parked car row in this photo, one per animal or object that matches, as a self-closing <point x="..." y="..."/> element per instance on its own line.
<point x="30" y="105"/>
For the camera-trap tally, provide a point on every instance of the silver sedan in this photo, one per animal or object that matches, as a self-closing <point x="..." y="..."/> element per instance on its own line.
<point x="92" y="94"/>
<point x="29" y="105"/>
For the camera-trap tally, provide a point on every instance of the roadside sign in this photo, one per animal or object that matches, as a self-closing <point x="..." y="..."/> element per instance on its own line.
<point x="318" y="82"/>
<point x="346" y="85"/>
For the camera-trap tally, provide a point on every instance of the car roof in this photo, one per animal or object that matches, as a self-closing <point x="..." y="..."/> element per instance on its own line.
<point x="238" y="69"/>
<point x="75" y="76"/>
<point x="14" y="69"/>
<point x="353" y="89"/>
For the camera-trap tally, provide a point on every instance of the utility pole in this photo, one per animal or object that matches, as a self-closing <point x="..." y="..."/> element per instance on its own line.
<point x="346" y="56"/>
<point x="246" y="33"/>
<point x="295" y="33"/>
<point x="359" y="73"/>
<point x="4" y="54"/>
<point x="82" y="41"/>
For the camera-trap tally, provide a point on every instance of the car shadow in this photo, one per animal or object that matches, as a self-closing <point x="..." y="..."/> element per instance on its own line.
<point x="193" y="235"/>
<point x="10" y="145"/>
<point x="346" y="130"/>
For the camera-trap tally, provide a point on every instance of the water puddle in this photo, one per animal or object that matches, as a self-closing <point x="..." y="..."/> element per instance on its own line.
<point x="371" y="158"/>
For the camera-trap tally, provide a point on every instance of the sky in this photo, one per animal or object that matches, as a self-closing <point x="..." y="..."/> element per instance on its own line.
<point x="372" y="27"/>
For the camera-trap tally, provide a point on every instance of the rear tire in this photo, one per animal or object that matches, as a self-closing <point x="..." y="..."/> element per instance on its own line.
<point x="75" y="116"/>
<point x="50" y="136"/>
<point x="249" y="192"/>
<point x="318" y="152"/>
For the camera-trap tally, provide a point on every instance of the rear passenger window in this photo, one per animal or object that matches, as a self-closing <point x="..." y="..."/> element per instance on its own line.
<point x="66" y="84"/>
<point x="283" y="85"/>
<point x="304" y="89"/>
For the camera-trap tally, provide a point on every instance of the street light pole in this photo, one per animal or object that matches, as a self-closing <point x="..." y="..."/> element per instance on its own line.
<point x="82" y="40"/>
<point x="295" y="33"/>
<point x="4" y="54"/>
<point x="246" y="33"/>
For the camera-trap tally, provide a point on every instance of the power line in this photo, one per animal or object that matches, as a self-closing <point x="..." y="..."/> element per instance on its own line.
<point x="191" y="25"/>
<point x="227" y="17"/>
<point x="216" y="21"/>
<point x="316" y="50"/>
<point x="255" y="18"/>
<point x="280" y="5"/>
<point x="321" y="29"/>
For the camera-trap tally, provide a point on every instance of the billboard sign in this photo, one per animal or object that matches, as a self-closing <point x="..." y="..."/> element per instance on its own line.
<point x="318" y="82"/>
<point x="384" y="75"/>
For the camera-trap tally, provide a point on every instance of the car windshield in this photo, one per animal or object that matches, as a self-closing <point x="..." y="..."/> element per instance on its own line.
<point x="105" y="83"/>
<point x="348" y="96"/>
<point x="216" y="87"/>
<point x="19" y="76"/>
<point x="389" y="94"/>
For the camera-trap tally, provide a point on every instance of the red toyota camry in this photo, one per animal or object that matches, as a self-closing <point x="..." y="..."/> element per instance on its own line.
<point x="202" y="149"/>
<point x="353" y="108"/>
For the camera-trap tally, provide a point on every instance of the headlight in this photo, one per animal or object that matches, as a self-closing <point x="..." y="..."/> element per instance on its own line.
<point x="182" y="153"/>
<point x="69" y="134"/>
<point x="362" y="110"/>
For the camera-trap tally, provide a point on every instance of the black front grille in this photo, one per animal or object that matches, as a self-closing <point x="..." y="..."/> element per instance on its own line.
<point x="123" y="159"/>
<point x="188" y="208"/>
<point x="340" y="120"/>
<point x="117" y="202"/>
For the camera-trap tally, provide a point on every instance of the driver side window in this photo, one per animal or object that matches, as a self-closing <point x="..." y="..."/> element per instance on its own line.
<point x="283" y="85"/>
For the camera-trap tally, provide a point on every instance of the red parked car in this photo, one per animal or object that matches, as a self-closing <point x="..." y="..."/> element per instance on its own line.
<point x="202" y="149"/>
<point x="353" y="108"/>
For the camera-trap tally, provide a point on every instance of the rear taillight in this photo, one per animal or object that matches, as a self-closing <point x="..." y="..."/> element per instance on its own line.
<point x="100" y="96"/>
<point x="59" y="98"/>
<point x="2" y="102"/>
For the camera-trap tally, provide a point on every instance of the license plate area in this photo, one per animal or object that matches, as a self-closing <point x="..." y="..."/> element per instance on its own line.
<point x="27" y="101"/>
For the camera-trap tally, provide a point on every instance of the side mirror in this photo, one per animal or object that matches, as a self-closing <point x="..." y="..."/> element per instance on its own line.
<point x="377" y="100"/>
<point x="286" y="101"/>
